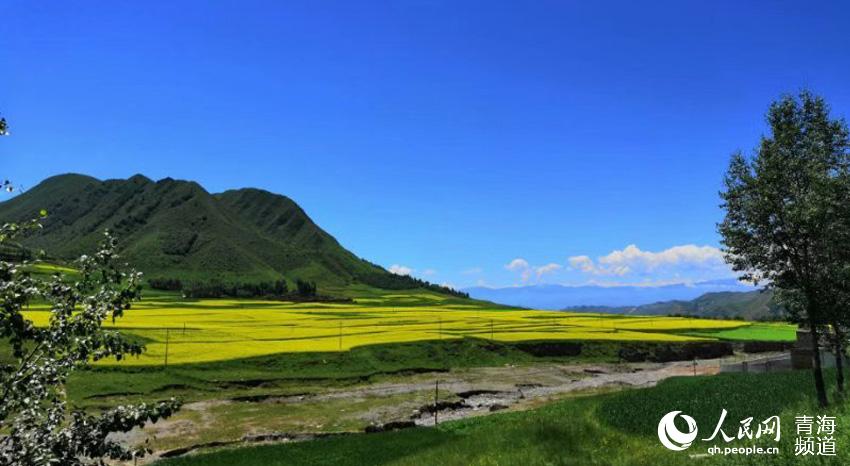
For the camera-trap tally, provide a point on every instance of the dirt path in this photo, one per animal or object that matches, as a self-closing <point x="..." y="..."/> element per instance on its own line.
<point x="462" y="393"/>
<point x="532" y="381"/>
<point x="522" y="388"/>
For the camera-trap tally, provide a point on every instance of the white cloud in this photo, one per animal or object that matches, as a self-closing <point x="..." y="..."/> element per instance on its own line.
<point x="526" y="270"/>
<point x="517" y="264"/>
<point x="583" y="263"/>
<point x="400" y="269"/>
<point x="429" y="272"/>
<point x="687" y="253"/>
<point x="520" y="265"/>
<point x="548" y="268"/>
<point x="685" y="262"/>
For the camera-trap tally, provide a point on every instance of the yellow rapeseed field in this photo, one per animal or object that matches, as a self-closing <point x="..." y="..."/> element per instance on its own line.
<point x="220" y="329"/>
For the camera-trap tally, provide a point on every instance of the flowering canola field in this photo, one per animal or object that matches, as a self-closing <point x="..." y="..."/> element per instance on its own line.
<point x="219" y="329"/>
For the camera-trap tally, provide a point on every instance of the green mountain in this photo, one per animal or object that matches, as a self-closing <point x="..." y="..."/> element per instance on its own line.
<point x="748" y="305"/>
<point x="173" y="229"/>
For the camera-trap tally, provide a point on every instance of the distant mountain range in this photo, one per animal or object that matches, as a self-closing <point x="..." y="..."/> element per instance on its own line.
<point x="173" y="229"/>
<point x="751" y="305"/>
<point x="716" y="298"/>
<point x="561" y="296"/>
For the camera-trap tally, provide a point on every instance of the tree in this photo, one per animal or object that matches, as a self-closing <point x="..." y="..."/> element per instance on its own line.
<point x="4" y="130"/>
<point x="838" y="280"/>
<point x="37" y="426"/>
<point x="781" y="225"/>
<point x="305" y="289"/>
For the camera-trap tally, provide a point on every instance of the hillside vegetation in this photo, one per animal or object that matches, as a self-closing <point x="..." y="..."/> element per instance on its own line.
<point x="745" y="305"/>
<point x="750" y="305"/>
<point x="176" y="233"/>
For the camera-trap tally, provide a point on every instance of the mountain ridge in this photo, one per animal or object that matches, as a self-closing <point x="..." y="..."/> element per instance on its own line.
<point x="176" y="229"/>
<point x="709" y="299"/>
<point x="746" y="305"/>
<point x="555" y="297"/>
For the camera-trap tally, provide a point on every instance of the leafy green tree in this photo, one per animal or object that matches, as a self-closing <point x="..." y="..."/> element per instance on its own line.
<point x="37" y="426"/>
<point x="838" y="338"/>
<point x="838" y="281"/>
<point x="305" y="289"/>
<point x="4" y="130"/>
<point x="781" y="226"/>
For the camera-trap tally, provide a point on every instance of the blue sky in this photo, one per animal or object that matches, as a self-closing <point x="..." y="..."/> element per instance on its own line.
<point x="580" y="142"/>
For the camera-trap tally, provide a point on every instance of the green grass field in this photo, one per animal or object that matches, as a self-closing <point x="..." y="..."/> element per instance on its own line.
<point x="755" y="331"/>
<point x="209" y="330"/>
<point x="608" y="429"/>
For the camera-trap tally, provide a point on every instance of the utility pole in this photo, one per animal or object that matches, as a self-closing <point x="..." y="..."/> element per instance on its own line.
<point x="436" y="398"/>
<point x="166" y="347"/>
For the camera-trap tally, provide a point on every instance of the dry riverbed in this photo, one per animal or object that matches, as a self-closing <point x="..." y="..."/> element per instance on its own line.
<point x="402" y="401"/>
